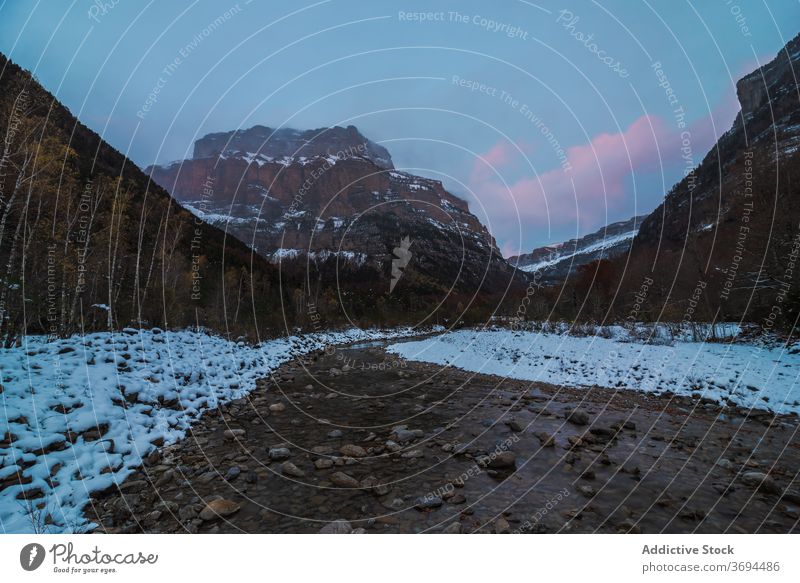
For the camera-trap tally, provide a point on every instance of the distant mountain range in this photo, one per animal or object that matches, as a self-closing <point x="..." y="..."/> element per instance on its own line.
<point x="553" y="264"/>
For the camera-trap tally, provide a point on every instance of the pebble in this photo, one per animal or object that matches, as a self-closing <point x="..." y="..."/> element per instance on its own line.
<point x="323" y="463"/>
<point x="623" y="425"/>
<point x="516" y="426"/>
<point x="279" y="453"/>
<point x="502" y="460"/>
<point x="546" y="439"/>
<point x="337" y="527"/>
<point x="187" y="513"/>
<point x="428" y="503"/>
<point x="352" y="450"/>
<point x="761" y="481"/>
<point x="233" y="433"/>
<point x="289" y="469"/>
<point x="368" y="483"/>
<point x="218" y="508"/>
<point x="381" y="489"/>
<point x="277" y="407"/>
<point x="724" y="463"/>
<point x="578" y="417"/>
<point x="393" y="446"/>
<point x="343" y="480"/>
<point x="402" y="435"/>
<point x="575" y="440"/>
<point x="207" y="477"/>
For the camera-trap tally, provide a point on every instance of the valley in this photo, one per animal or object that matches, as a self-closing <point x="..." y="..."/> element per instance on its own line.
<point x="289" y="331"/>
<point x="358" y="441"/>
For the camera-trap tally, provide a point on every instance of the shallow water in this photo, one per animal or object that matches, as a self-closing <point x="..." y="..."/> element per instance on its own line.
<point x="660" y="476"/>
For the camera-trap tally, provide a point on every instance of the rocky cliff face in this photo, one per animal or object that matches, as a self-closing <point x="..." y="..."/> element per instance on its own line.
<point x="725" y="234"/>
<point x="555" y="263"/>
<point x="770" y="81"/>
<point x="335" y="197"/>
<point x="265" y="144"/>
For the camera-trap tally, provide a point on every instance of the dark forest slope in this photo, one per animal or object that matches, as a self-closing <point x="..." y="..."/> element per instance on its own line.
<point x="88" y="242"/>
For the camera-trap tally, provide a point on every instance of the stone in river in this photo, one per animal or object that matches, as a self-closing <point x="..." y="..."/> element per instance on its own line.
<point x="292" y="470"/>
<point x="218" y="508"/>
<point x="279" y="453"/>
<point x="337" y="527"/>
<point x="578" y="417"/>
<point x="344" y="480"/>
<point x="233" y="433"/>
<point x="351" y="450"/>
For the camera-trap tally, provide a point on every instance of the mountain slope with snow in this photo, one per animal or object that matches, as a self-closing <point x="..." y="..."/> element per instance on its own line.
<point x="555" y="263"/>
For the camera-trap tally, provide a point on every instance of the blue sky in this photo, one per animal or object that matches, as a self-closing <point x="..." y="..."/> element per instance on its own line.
<point x="551" y="119"/>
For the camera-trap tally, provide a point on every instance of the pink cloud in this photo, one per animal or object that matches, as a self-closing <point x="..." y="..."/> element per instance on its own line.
<point x="595" y="181"/>
<point x="597" y="170"/>
<point x="499" y="155"/>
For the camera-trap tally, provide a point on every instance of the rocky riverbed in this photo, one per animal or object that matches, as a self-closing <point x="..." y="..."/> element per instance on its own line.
<point x="355" y="440"/>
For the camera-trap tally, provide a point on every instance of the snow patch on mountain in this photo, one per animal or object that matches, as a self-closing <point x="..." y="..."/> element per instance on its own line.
<point x="556" y="262"/>
<point x="603" y="245"/>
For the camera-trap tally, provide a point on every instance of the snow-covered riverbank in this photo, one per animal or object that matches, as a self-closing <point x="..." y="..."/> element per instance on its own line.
<point x="746" y="374"/>
<point x="140" y="387"/>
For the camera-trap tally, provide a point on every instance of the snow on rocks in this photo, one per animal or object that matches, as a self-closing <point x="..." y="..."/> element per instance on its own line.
<point x="749" y="375"/>
<point x="79" y="414"/>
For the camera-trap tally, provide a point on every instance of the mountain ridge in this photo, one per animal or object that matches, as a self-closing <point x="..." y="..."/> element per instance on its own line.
<point x="554" y="264"/>
<point x="269" y="144"/>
